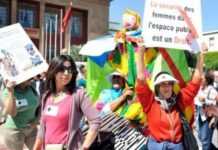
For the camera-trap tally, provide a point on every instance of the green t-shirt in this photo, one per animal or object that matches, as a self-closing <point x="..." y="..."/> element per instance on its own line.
<point x="26" y="104"/>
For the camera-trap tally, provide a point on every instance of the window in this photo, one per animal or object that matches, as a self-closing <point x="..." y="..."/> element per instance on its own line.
<point x="4" y="13"/>
<point x="211" y="41"/>
<point x="52" y="19"/>
<point x="76" y="30"/>
<point x="52" y="31"/>
<point x="78" y="27"/>
<point x="28" y="14"/>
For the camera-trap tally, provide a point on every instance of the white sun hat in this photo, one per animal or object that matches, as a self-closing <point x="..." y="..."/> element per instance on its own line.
<point x="164" y="77"/>
<point x="115" y="73"/>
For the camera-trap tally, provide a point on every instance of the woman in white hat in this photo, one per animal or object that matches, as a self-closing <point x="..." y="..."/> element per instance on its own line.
<point x="162" y="106"/>
<point x="111" y="99"/>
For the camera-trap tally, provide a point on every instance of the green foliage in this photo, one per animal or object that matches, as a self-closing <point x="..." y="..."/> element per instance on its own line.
<point x="211" y="60"/>
<point x="74" y="52"/>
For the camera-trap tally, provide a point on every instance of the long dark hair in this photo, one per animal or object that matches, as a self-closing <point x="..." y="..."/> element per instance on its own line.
<point x="54" y="67"/>
<point x="209" y="77"/>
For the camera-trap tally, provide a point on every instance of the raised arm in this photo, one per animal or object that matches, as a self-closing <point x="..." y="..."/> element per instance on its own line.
<point x="143" y="92"/>
<point x="9" y="99"/>
<point x="199" y="66"/>
<point x="141" y="65"/>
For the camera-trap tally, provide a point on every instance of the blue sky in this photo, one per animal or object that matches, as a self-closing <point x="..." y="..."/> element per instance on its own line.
<point x="209" y="11"/>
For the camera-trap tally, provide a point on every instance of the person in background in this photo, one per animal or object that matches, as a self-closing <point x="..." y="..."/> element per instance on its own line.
<point x="20" y="104"/>
<point x="207" y="96"/>
<point x="215" y="84"/>
<point x="81" y="81"/>
<point x="63" y="106"/>
<point x="163" y="106"/>
<point x="39" y="84"/>
<point x="111" y="99"/>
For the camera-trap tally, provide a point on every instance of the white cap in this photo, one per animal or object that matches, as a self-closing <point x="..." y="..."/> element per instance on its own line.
<point x="164" y="78"/>
<point x="115" y="74"/>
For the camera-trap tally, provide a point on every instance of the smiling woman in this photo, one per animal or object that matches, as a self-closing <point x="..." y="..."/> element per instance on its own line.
<point x="63" y="107"/>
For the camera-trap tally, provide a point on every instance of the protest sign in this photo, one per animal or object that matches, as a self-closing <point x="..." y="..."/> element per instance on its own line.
<point x="19" y="58"/>
<point x="173" y="24"/>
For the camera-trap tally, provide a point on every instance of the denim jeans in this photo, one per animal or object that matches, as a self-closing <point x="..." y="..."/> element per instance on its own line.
<point x="204" y="132"/>
<point x="154" y="145"/>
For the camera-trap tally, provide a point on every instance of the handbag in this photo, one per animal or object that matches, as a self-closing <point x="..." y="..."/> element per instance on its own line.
<point x="105" y="140"/>
<point x="55" y="147"/>
<point x="189" y="140"/>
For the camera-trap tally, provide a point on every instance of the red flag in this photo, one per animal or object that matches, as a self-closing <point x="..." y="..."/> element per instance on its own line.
<point x="66" y="18"/>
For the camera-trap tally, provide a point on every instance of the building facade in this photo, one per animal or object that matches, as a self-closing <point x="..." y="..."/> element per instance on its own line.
<point x="42" y="19"/>
<point x="211" y="38"/>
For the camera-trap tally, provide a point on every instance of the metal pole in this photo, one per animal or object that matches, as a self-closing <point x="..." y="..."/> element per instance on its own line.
<point x="46" y="41"/>
<point x="50" y="36"/>
<point x="70" y="27"/>
<point x="61" y="19"/>
<point x="55" y="40"/>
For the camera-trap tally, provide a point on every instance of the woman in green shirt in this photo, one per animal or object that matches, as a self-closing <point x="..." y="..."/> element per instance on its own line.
<point x="20" y="103"/>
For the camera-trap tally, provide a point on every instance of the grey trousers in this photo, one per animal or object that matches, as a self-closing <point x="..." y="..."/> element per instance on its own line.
<point x="14" y="139"/>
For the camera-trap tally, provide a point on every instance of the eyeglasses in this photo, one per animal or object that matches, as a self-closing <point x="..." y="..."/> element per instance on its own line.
<point x="66" y="68"/>
<point x="166" y="83"/>
<point x="116" y="77"/>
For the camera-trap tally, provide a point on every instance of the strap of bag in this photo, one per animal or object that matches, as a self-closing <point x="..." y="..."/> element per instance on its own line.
<point x="182" y="115"/>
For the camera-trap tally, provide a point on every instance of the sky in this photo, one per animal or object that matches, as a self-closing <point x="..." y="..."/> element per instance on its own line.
<point x="209" y="11"/>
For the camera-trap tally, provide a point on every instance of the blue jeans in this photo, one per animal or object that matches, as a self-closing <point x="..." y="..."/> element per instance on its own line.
<point x="154" y="145"/>
<point x="204" y="132"/>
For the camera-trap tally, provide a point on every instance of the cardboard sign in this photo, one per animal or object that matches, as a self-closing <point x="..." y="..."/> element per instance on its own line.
<point x="173" y="24"/>
<point x="19" y="58"/>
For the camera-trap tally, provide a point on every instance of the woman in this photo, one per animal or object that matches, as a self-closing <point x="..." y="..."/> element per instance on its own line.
<point x="63" y="107"/>
<point x="162" y="107"/>
<point x="206" y="98"/>
<point x="20" y="103"/>
<point x="111" y="99"/>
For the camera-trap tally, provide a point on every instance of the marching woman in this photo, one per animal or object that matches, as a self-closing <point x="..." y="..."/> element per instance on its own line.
<point x="20" y="106"/>
<point x="63" y="106"/>
<point x="163" y="106"/>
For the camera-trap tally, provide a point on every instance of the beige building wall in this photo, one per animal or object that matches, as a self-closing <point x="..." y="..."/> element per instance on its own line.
<point x="97" y="19"/>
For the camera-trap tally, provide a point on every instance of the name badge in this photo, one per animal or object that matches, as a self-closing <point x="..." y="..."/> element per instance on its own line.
<point x="21" y="103"/>
<point x="51" y="110"/>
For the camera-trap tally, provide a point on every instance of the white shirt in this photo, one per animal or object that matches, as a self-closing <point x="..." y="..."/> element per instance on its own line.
<point x="209" y="93"/>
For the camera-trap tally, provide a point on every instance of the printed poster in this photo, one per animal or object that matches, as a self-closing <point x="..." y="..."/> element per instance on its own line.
<point x="20" y="60"/>
<point x="173" y="24"/>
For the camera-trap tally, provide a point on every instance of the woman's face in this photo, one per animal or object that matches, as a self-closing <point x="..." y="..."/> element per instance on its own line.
<point x="166" y="89"/>
<point x="64" y="75"/>
<point x="117" y="82"/>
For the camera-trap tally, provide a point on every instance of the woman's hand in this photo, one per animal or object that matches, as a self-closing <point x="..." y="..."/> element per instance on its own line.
<point x="10" y="85"/>
<point x="128" y="92"/>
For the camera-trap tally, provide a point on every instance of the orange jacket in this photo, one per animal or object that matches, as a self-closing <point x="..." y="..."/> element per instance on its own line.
<point x="163" y="125"/>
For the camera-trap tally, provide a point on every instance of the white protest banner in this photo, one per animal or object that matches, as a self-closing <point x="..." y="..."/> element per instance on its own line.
<point x="19" y="58"/>
<point x="173" y="24"/>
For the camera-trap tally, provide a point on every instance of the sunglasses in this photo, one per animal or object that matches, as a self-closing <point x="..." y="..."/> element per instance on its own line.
<point x="66" y="68"/>
<point x="166" y="84"/>
<point x="116" y="77"/>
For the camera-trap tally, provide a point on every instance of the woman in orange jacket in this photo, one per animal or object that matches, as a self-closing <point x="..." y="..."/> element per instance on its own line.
<point x="162" y="106"/>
